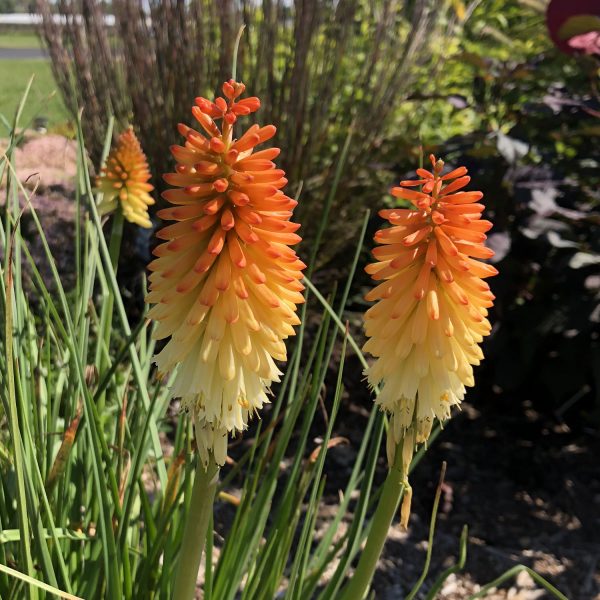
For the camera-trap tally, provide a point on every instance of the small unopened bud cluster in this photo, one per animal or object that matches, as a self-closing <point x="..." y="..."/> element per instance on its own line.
<point x="228" y="108"/>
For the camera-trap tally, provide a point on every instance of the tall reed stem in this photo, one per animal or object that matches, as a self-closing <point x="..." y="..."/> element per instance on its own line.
<point x="393" y="489"/>
<point x="116" y="238"/>
<point x="114" y="249"/>
<point x="196" y="525"/>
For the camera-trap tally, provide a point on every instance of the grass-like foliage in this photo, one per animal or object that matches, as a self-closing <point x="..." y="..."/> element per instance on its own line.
<point x="96" y="473"/>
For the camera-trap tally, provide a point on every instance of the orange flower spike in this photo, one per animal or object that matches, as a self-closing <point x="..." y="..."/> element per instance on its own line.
<point x="225" y="284"/>
<point x="430" y="315"/>
<point x="124" y="180"/>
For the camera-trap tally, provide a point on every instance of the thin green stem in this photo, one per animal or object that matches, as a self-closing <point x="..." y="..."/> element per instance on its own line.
<point x="460" y="564"/>
<point x="436" y="503"/>
<point x="37" y="584"/>
<point x="194" y="534"/>
<point x="393" y="489"/>
<point x="116" y="236"/>
<point x="236" y="47"/>
<point x="114" y="249"/>
<point x="14" y="425"/>
<point x="513" y="573"/>
<point x="341" y="325"/>
<point x="339" y="169"/>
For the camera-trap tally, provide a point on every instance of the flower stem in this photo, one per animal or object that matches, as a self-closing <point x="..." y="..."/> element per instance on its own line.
<point x="196" y="525"/>
<point x="114" y="249"/>
<point x="116" y="236"/>
<point x="387" y="507"/>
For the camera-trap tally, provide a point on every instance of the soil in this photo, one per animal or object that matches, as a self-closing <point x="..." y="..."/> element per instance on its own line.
<point x="46" y="165"/>
<point x="50" y="161"/>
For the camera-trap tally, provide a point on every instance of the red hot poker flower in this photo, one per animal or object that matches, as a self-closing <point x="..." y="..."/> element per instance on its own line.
<point x="225" y="283"/>
<point x="124" y="181"/>
<point x="432" y="303"/>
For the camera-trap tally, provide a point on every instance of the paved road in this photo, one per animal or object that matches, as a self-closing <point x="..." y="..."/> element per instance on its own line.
<point x="21" y="53"/>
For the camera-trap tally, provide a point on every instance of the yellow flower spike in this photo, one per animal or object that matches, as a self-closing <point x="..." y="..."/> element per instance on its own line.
<point x="124" y="181"/>
<point x="424" y="330"/>
<point x="225" y="284"/>
<point x="432" y="303"/>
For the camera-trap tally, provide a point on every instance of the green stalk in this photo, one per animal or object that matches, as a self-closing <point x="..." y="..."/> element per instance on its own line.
<point x="387" y="507"/>
<point x="116" y="235"/>
<point x="14" y="426"/>
<point x="114" y="249"/>
<point x="194" y="533"/>
<point x="513" y="573"/>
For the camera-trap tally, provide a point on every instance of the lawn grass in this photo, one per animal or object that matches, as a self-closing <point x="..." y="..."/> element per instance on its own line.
<point x="14" y="75"/>
<point x="18" y="39"/>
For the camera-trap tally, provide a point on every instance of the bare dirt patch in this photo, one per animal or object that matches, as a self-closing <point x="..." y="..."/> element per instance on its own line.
<point x="48" y="161"/>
